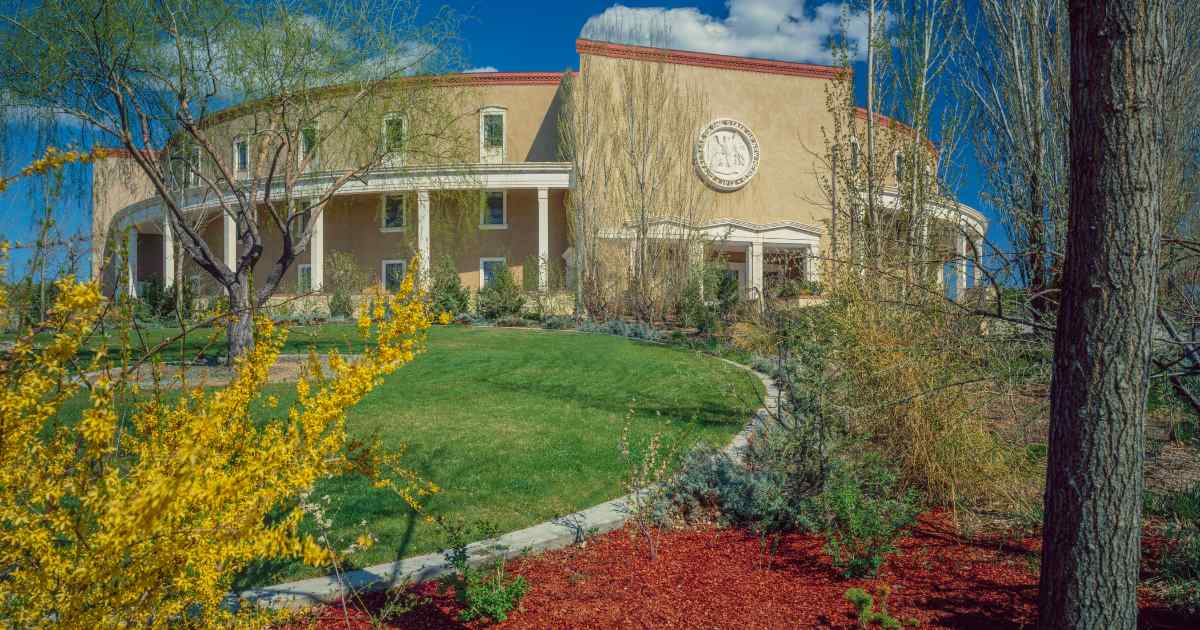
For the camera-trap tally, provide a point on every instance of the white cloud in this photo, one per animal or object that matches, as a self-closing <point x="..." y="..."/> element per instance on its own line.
<point x="482" y="69"/>
<point x="788" y="30"/>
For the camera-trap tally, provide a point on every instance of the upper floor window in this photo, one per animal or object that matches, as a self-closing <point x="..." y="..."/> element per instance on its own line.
<point x="391" y="213"/>
<point x="241" y="156"/>
<point x="901" y="167"/>
<point x="193" y="168"/>
<point x="393" y="133"/>
<point x="491" y="134"/>
<point x="307" y="157"/>
<point x="495" y="210"/>
<point x="854" y="151"/>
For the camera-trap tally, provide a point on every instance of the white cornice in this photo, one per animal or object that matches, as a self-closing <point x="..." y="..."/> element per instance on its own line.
<point x="520" y="175"/>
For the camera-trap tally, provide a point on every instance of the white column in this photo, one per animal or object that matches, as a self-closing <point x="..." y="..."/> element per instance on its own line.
<point x="961" y="265"/>
<point x="754" y="267"/>
<point x="423" y="235"/>
<point x="316" y="252"/>
<point x="812" y="263"/>
<point x="131" y="251"/>
<point x="229" y="240"/>
<point x="168" y="253"/>
<point x="979" y="262"/>
<point x="543" y="237"/>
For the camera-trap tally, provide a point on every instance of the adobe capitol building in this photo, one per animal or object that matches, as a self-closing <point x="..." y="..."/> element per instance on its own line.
<point x="759" y="155"/>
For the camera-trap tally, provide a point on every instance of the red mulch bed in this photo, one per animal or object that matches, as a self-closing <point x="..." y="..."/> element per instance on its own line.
<point x="717" y="578"/>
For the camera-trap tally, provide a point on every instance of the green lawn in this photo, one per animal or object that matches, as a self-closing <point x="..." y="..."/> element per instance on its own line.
<point x="517" y="426"/>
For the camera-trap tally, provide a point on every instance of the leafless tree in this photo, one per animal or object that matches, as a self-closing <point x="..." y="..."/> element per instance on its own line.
<point x="314" y="79"/>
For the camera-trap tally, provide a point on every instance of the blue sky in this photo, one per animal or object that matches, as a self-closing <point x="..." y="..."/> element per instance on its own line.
<point x="538" y="36"/>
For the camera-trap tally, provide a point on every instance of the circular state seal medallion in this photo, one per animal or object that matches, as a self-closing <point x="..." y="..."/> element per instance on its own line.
<point x="727" y="154"/>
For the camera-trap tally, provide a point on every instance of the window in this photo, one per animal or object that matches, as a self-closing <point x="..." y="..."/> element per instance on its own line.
<point x="193" y="168"/>
<point x="487" y="270"/>
<point x="854" y="151"/>
<point x="491" y="135"/>
<point x="241" y="156"/>
<point x="304" y="279"/>
<point x="308" y="148"/>
<point x="301" y="218"/>
<point x="495" y="210"/>
<point x="391" y="213"/>
<point x="393" y="133"/>
<point x="393" y="274"/>
<point x="900" y="164"/>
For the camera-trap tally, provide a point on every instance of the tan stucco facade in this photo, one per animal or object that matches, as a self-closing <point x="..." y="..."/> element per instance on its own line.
<point x="783" y="104"/>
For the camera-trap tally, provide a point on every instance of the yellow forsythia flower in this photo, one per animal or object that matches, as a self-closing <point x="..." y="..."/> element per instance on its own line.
<point x="140" y="515"/>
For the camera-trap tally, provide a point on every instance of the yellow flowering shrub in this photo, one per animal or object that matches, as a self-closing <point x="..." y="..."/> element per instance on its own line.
<point x="140" y="510"/>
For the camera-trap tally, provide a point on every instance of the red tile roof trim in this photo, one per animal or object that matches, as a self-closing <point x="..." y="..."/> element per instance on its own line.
<point x="707" y="60"/>
<point x="503" y="78"/>
<point x="892" y="123"/>
<point x="122" y="152"/>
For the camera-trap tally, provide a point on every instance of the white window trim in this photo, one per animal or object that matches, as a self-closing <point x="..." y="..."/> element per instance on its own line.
<point x="393" y="158"/>
<point x="241" y="171"/>
<point x="316" y="160"/>
<point x="300" y="273"/>
<point x="491" y="259"/>
<point x="193" y="173"/>
<point x="486" y="155"/>
<point x="383" y="227"/>
<point x="504" y="210"/>
<point x="383" y="265"/>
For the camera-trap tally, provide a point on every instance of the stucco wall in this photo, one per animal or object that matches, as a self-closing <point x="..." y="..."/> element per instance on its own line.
<point x="117" y="182"/>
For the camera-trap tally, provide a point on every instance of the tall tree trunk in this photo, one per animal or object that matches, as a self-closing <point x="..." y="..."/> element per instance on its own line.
<point x="1092" y="534"/>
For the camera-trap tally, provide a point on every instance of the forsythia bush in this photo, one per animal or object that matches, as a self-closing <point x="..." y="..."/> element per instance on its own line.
<point x="140" y="509"/>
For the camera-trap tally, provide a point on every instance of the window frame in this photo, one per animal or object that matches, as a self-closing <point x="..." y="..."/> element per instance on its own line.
<point x="300" y="269"/>
<point x="483" y="211"/>
<point x="238" y="169"/>
<point x="394" y="157"/>
<point x="493" y="155"/>
<point x="383" y="201"/>
<point x="193" y="166"/>
<point x="383" y="277"/>
<point x="303" y="150"/>
<point x="483" y="260"/>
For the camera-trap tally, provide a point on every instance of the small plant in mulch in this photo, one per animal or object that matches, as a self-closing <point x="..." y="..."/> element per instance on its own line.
<point x="482" y="592"/>
<point x="865" y="605"/>
<point x="865" y="516"/>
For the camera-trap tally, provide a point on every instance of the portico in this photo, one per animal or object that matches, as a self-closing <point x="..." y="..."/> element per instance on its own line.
<point x="346" y="223"/>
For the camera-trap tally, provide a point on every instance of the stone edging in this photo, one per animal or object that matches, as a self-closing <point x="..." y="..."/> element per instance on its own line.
<point x="554" y="534"/>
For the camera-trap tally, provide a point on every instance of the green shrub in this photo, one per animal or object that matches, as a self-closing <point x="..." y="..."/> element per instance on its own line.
<point x="864" y="605"/>
<point x="864" y="515"/>
<point x="345" y="280"/>
<point x="483" y="593"/>
<point x="558" y="322"/>
<point x="446" y="292"/>
<point x="501" y="297"/>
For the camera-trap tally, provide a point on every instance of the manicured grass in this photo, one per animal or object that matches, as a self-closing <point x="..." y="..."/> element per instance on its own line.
<point x="516" y="426"/>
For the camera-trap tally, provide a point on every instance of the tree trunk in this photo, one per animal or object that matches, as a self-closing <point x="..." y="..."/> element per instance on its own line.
<point x="1092" y="534"/>
<point x="240" y="329"/>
